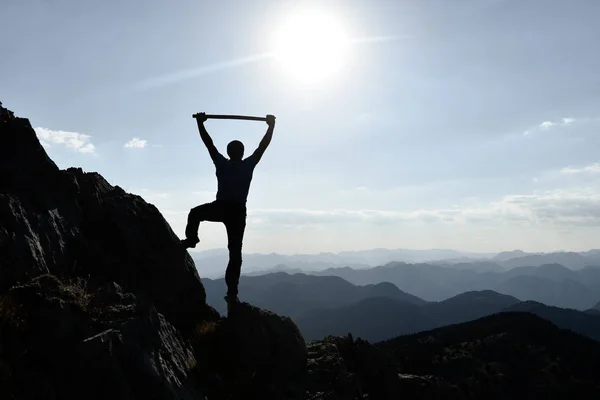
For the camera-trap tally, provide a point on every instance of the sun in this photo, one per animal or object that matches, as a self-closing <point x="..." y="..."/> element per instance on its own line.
<point x="310" y="46"/>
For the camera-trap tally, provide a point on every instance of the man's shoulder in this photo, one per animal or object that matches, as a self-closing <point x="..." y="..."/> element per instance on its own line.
<point x="219" y="159"/>
<point x="250" y="161"/>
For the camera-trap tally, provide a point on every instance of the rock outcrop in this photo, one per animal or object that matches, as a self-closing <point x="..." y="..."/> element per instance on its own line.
<point x="254" y="354"/>
<point x="75" y="224"/>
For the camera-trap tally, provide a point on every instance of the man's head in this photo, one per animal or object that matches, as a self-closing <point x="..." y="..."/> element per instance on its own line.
<point x="235" y="150"/>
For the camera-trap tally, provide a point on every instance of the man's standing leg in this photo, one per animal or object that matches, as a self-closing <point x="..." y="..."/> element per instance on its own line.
<point x="206" y="212"/>
<point x="235" y="224"/>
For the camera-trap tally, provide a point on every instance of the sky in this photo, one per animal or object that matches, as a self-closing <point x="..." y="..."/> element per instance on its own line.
<point x="465" y="124"/>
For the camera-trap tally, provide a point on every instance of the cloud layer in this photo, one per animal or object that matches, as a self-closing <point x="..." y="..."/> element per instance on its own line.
<point x="75" y="141"/>
<point x="557" y="208"/>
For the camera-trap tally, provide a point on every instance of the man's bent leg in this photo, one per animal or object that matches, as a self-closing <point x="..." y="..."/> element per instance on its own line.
<point x="235" y="224"/>
<point x="206" y="212"/>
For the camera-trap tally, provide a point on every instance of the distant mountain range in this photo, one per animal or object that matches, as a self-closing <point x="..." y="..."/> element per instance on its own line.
<point x="551" y="284"/>
<point x="569" y="260"/>
<point x="295" y="295"/>
<point x="330" y="305"/>
<point x="213" y="262"/>
<point x="377" y="319"/>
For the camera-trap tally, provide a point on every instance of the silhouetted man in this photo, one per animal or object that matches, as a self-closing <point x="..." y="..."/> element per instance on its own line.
<point x="234" y="177"/>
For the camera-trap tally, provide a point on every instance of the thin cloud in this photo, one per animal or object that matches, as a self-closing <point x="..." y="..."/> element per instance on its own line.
<point x="202" y="70"/>
<point x="546" y="125"/>
<point x="135" y="143"/>
<point x="589" y="169"/>
<point x="568" y="208"/>
<point x="560" y="208"/>
<point x="75" y="141"/>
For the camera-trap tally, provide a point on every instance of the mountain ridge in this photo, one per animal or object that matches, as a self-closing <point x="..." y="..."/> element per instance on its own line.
<point x="436" y="283"/>
<point x="381" y="314"/>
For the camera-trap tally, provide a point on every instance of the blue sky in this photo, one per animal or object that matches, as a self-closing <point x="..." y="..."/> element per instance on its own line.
<point x="465" y="124"/>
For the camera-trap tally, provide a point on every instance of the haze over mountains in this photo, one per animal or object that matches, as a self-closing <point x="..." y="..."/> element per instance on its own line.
<point x="552" y="284"/>
<point x="379" y="294"/>
<point x="213" y="261"/>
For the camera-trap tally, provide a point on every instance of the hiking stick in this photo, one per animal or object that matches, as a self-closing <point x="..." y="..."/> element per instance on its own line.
<point x="244" y="117"/>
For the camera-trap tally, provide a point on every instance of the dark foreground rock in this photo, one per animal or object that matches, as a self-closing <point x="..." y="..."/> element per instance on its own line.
<point x="341" y="368"/>
<point x="57" y="343"/>
<point x="251" y="354"/>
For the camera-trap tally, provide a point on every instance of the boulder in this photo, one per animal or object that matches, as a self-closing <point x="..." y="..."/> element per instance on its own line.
<point x="252" y="353"/>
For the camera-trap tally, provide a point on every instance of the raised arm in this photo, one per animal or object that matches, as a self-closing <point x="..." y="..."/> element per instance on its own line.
<point x="208" y="142"/>
<point x="266" y="140"/>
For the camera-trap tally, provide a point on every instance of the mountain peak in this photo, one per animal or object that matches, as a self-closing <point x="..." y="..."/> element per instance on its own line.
<point x="24" y="163"/>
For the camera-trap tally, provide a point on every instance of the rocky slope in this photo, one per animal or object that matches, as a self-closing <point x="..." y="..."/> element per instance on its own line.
<point x="98" y="301"/>
<point x="75" y="224"/>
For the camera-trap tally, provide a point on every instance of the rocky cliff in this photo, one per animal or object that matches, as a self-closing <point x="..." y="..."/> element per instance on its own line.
<point x="75" y="224"/>
<point x="98" y="301"/>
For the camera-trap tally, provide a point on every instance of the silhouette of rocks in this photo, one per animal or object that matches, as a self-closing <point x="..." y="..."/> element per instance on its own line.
<point x="510" y="355"/>
<point x="55" y="344"/>
<point x="342" y="368"/>
<point x="70" y="223"/>
<point x="98" y="300"/>
<point x="251" y="354"/>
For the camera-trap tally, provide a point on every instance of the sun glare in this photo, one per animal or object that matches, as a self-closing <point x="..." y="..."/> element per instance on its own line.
<point x="311" y="46"/>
